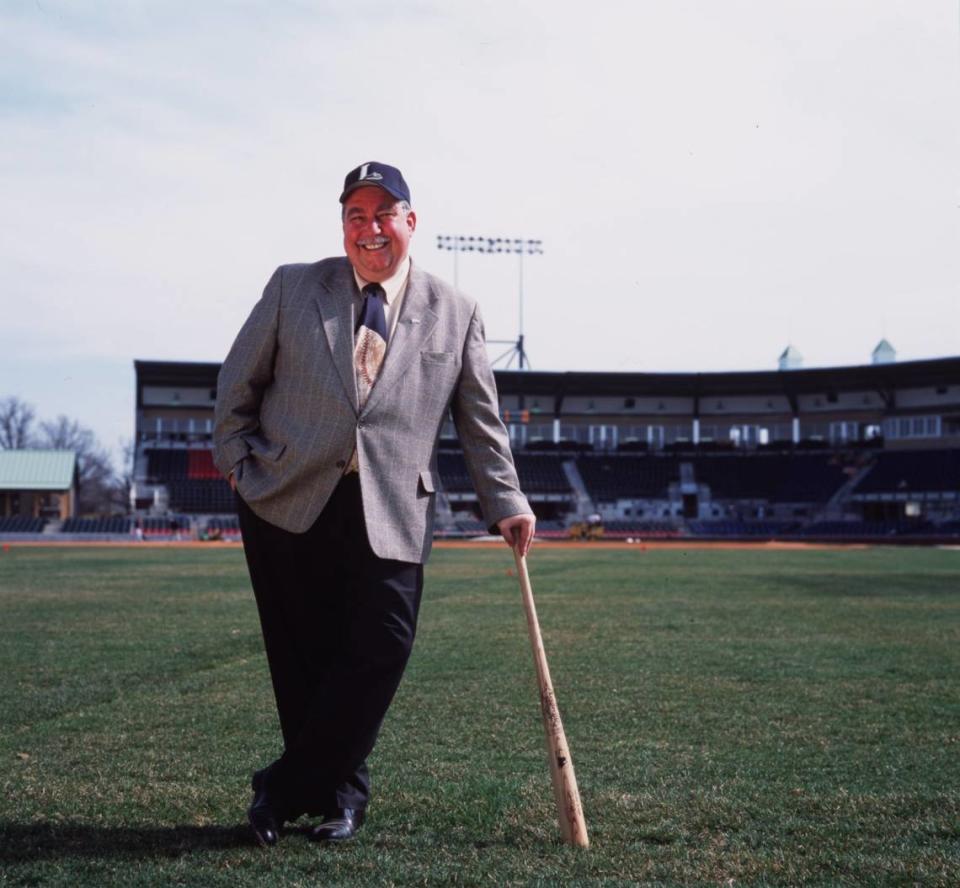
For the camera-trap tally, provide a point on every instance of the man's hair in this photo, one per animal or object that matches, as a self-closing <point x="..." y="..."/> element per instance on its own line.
<point x="404" y="205"/>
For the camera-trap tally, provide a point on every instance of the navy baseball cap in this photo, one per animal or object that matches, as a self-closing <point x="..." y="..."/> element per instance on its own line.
<point x="389" y="178"/>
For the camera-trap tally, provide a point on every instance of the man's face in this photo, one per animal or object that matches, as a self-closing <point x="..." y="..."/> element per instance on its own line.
<point x="376" y="232"/>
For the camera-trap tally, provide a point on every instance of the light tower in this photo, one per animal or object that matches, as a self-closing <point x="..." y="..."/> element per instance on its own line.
<point x="460" y="244"/>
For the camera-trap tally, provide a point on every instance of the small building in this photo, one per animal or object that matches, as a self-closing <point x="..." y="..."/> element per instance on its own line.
<point x="38" y="483"/>
<point x="884" y="353"/>
<point x="790" y="359"/>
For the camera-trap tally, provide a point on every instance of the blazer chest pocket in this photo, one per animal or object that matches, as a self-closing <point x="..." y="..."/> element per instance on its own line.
<point x="438" y="357"/>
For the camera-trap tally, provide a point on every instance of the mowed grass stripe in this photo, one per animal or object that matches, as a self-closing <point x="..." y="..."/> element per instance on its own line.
<point x="767" y="717"/>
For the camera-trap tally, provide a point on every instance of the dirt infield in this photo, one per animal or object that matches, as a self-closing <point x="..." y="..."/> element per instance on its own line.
<point x="638" y="546"/>
<point x="643" y="545"/>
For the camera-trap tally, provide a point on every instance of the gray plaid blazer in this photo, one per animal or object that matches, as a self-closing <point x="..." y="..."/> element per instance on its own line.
<point x="288" y="419"/>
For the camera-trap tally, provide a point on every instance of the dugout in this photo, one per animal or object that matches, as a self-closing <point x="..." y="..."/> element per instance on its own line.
<point x="38" y="484"/>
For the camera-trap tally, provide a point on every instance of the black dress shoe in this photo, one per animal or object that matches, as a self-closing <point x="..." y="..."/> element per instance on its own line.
<point x="339" y="826"/>
<point x="262" y="814"/>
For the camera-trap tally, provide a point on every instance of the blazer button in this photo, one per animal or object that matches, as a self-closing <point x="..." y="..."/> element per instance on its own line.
<point x="341" y="463"/>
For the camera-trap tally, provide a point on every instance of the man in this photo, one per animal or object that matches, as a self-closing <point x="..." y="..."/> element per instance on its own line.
<point x="329" y="407"/>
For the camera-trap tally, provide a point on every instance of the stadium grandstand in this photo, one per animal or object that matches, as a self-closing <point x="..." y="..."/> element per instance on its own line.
<point x="862" y="452"/>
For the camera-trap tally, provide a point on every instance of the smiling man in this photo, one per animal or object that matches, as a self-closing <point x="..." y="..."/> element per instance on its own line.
<point x="376" y="232"/>
<point x="329" y="407"/>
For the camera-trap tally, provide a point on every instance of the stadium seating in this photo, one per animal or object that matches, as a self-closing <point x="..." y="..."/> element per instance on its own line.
<point x="552" y="529"/>
<point x="164" y="528"/>
<point x="114" y="525"/>
<point x="808" y="473"/>
<point x="177" y="465"/>
<point x="748" y="529"/>
<point x="464" y="527"/>
<point x="22" y="524"/>
<point x="200" y="465"/>
<point x="538" y="472"/>
<point x="913" y="471"/>
<point x="201" y="496"/>
<point x="167" y="465"/>
<point x="784" y="478"/>
<point x="541" y="473"/>
<point x="224" y="523"/>
<point x="872" y="529"/>
<point x="453" y="472"/>
<point x="624" y="528"/>
<point x="222" y="528"/>
<point x="609" y="478"/>
<point x="193" y="482"/>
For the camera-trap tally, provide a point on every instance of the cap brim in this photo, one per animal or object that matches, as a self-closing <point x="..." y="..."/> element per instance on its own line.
<point x="364" y="184"/>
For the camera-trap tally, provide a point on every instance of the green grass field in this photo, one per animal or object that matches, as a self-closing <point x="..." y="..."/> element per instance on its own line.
<point x="735" y="718"/>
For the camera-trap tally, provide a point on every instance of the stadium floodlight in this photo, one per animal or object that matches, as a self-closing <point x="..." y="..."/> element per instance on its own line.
<point x="458" y="243"/>
<point x="461" y="244"/>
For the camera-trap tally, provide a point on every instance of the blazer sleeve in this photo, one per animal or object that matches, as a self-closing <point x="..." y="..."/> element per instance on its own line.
<point x="483" y="436"/>
<point x="245" y="374"/>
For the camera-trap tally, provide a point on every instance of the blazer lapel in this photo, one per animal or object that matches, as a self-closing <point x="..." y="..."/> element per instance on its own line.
<point x="334" y="297"/>
<point x="414" y="326"/>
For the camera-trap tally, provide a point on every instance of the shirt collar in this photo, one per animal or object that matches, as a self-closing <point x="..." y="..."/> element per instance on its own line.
<point x="392" y="285"/>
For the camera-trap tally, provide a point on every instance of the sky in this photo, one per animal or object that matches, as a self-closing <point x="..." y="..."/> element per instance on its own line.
<point x="711" y="180"/>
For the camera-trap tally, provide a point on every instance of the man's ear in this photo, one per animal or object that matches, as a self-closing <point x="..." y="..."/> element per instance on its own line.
<point x="412" y="221"/>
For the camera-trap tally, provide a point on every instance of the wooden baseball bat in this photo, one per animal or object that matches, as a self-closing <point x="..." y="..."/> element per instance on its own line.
<point x="573" y="827"/>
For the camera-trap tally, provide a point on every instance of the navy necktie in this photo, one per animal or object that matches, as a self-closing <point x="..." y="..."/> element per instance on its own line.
<point x="370" y="343"/>
<point x="372" y="315"/>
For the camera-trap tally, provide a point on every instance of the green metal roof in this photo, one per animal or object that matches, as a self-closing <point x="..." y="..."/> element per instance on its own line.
<point x="37" y="469"/>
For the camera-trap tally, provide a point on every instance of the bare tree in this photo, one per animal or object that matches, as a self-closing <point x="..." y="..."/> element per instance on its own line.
<point x="124" y="481"/>
<point x="16" y="424"/>
<point x="97" y="482"/>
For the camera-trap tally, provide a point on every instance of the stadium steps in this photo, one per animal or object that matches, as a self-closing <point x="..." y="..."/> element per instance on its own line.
<point x="688" y="479"/>
<point x="583" y="504"/>
<point x="835" y="507"/>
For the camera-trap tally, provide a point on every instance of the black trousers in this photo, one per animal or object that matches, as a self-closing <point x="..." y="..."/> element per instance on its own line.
<point x="338" y="626"/>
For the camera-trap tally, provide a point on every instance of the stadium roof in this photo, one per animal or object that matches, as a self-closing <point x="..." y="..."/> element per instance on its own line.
<point x="37" y="469"/>
<point x="873" y="377"/>
<point x="883" y="378"/>
<point x="177" y="372"/>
